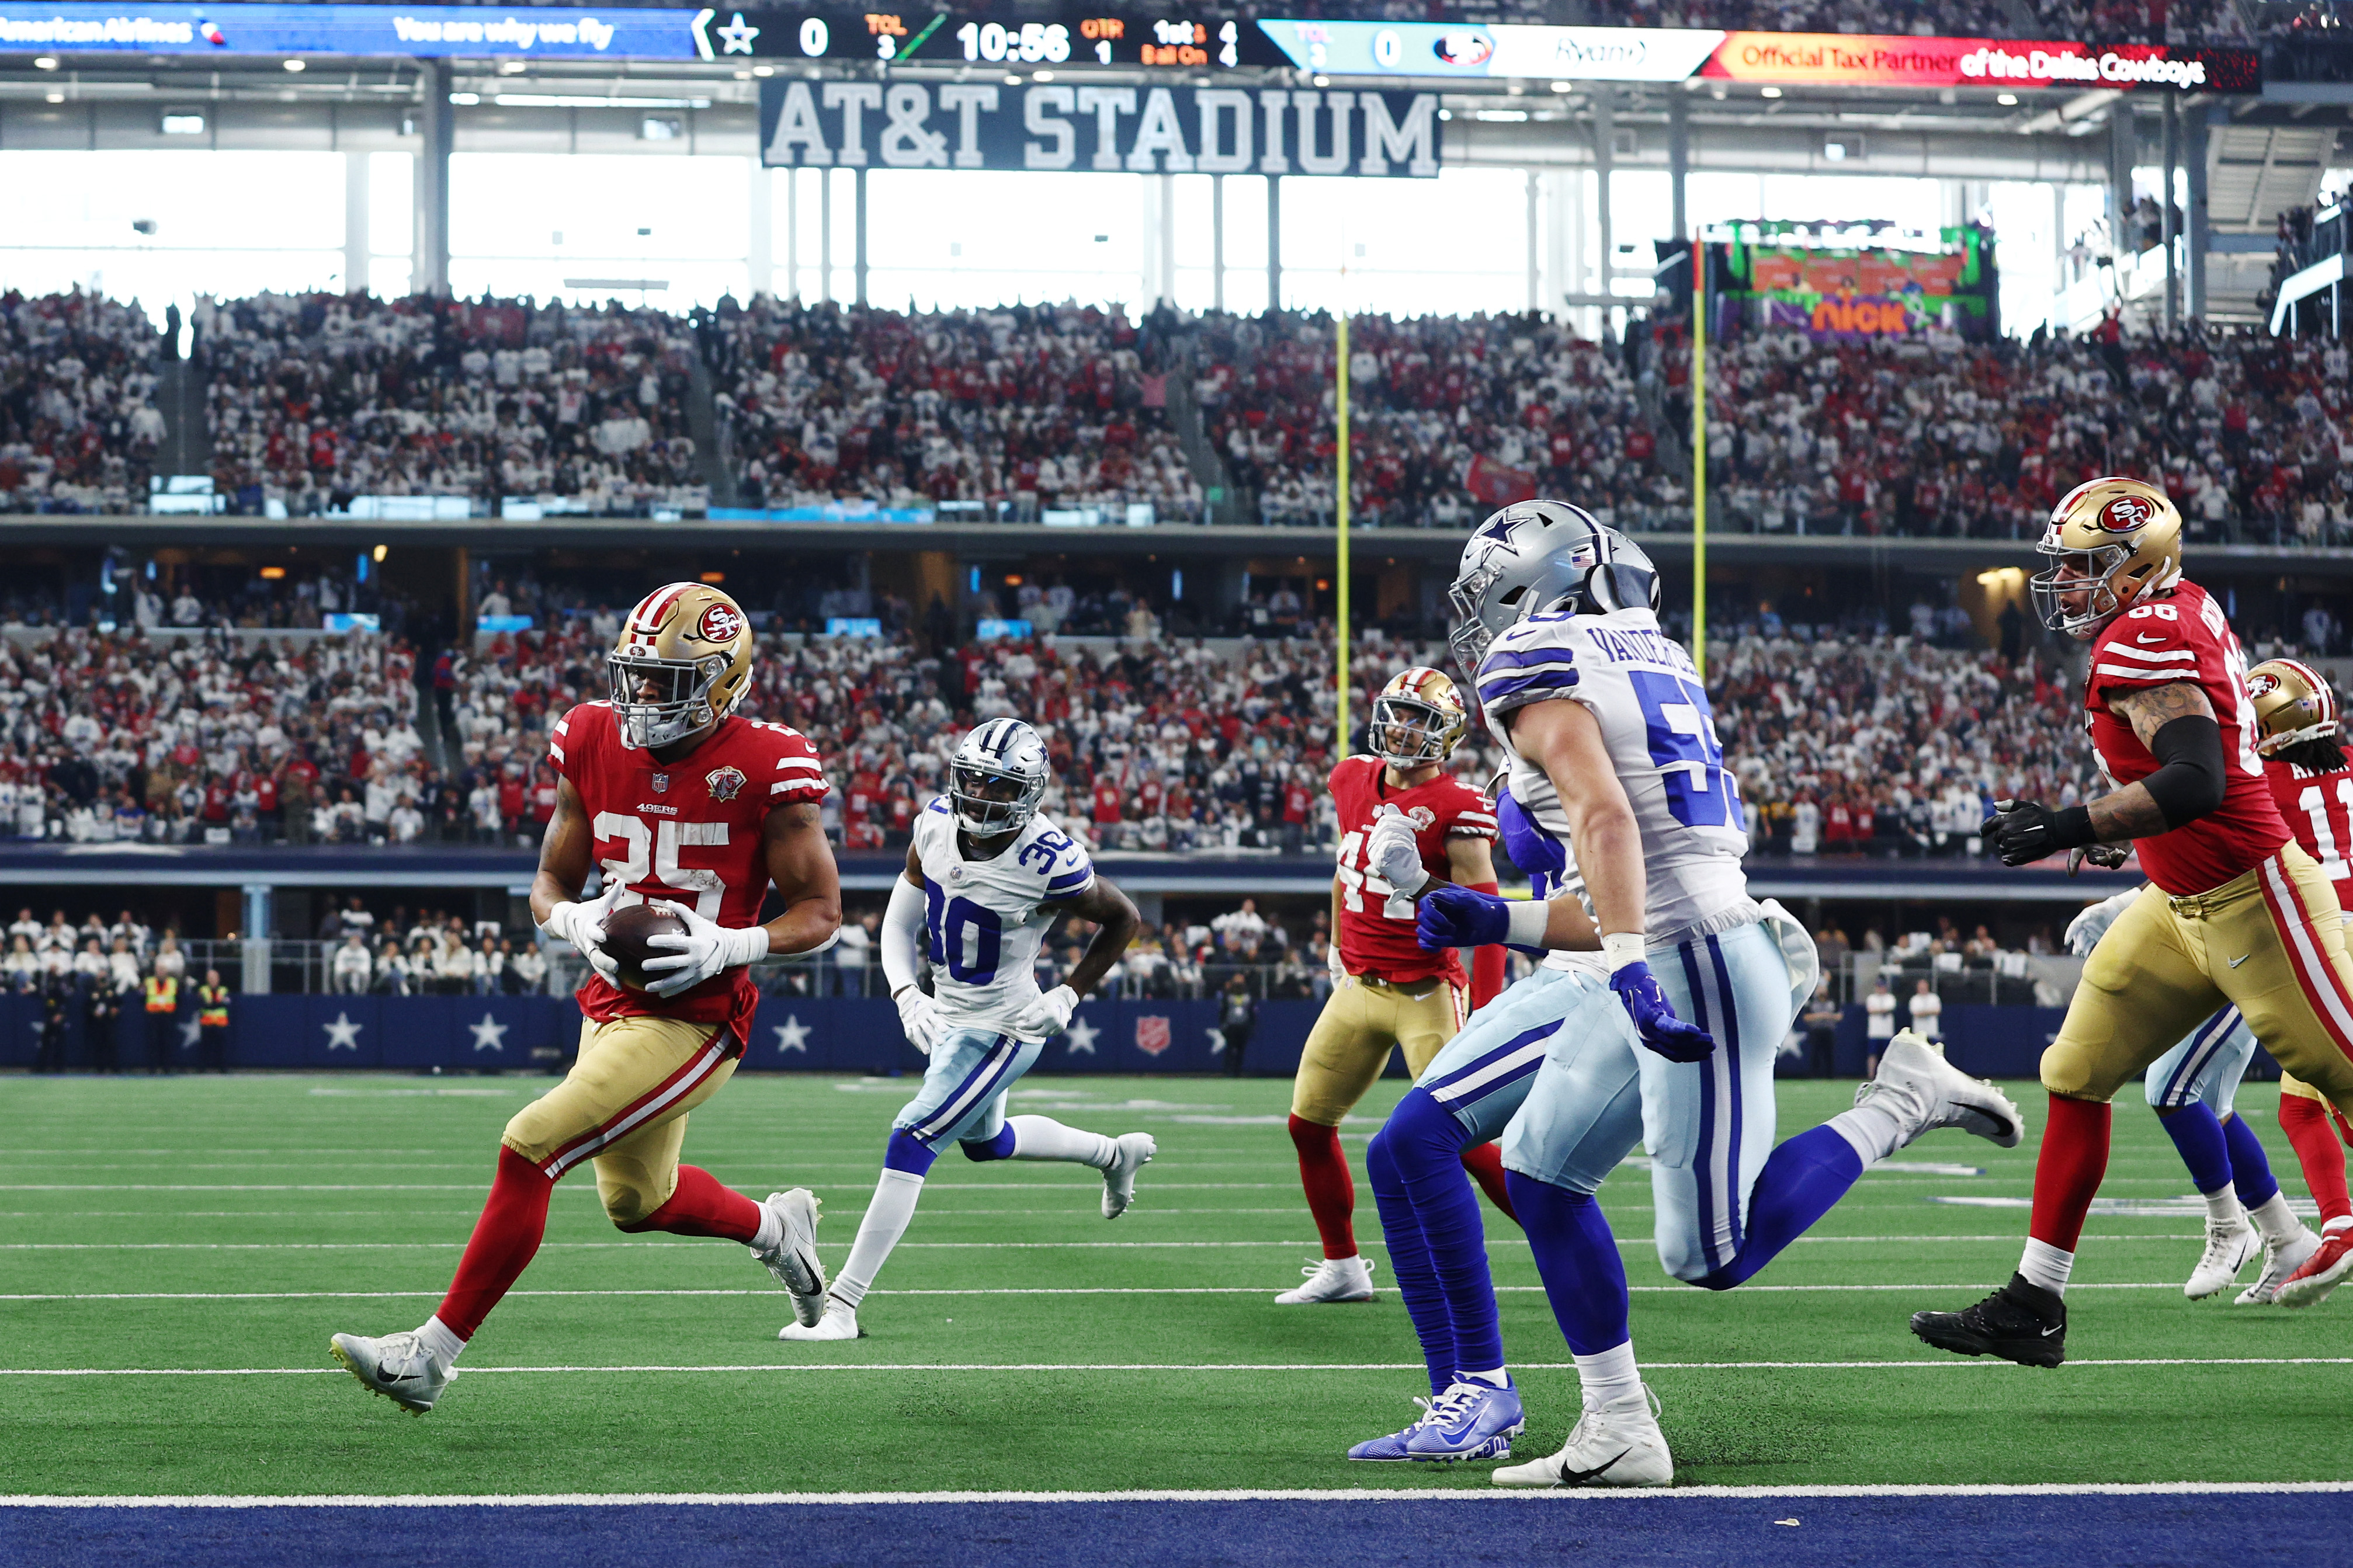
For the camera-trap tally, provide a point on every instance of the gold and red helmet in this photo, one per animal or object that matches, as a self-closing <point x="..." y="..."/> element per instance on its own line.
<point x="2114" y="541"/>
<point x="692" y="645"/>
<point x="2292" y="703"/>
<point x="1417" y="719"/>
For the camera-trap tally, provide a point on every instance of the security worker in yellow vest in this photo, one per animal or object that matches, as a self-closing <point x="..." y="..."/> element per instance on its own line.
<point x="162" y="991"/>
<point x="212" y="1020"/>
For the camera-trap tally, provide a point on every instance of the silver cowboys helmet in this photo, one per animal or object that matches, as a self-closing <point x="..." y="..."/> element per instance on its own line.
<point x="996" y="778"/>
<point x="1540" y="555"/>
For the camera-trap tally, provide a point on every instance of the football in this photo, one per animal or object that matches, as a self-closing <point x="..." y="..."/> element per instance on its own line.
<point x="626" y="932"/>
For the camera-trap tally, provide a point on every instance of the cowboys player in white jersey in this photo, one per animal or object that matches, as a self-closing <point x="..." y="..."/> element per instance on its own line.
<point x="988" y="875"/>
<point x="1621" y="798"/>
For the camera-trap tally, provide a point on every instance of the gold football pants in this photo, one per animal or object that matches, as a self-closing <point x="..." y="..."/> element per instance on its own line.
<point x="624" y="1106"/>
<point x="1351" y="1041"/>
<point x="2270" y="942"/>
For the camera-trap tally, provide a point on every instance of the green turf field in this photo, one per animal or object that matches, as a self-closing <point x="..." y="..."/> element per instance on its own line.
<point x="1017" y="1341"/>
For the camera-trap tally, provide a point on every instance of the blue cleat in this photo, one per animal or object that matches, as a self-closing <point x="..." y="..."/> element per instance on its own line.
<point x="1392" y="1449"/>
<point x="1470" y="1421"/>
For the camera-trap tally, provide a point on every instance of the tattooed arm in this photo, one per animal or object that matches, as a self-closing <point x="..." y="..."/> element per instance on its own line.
<point x="2190" y="783"/>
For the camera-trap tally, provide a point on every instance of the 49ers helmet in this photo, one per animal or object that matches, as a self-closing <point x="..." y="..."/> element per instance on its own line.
<point x="2292" y="704"/>
<point x="1418" y="718"/>
<point x="693" y="644"/>
<point x="2115" y="540"/>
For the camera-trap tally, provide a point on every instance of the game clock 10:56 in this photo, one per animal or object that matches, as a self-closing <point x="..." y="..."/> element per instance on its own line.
<point x="924" y="35"/>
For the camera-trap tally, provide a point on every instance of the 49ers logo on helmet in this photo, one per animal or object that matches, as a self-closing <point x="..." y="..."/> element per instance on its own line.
<point x="2263" y="683"/>
<point x="720" y="622"/>
<point x="2126" y="513"/>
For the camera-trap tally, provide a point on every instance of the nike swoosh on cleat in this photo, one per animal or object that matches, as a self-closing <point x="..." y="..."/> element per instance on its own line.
<point x="1571" y="1478"/>
<point x="2054" y="1328"/>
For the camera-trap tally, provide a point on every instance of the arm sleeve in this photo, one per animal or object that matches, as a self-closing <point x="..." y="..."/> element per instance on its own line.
<point x="902" y="924"/>
<point x="1488" y="965"/>
<point x="2190" y="783"/>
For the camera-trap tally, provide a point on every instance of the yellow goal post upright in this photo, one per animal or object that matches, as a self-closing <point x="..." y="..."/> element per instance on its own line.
<point x="1340" y="576"/>
<point x="1699" y="453"/>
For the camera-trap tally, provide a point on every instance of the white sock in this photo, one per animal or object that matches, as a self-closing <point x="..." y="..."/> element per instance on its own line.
<point x="771" y="1231"/>
<point x="1609" y="1375"/>
<point x="2221" y="1205"/>
<point x="2276" y="1221"/>
<point x="1043" y="1138"/>
<point x="2046" y="1265"/>
<point x="2340" y="1223"/>
<point x="1873" y="1130"/>
<point x="440" y="1342"/>
<point x="1499" y="1378"/>
<point x="886" y="1220"/>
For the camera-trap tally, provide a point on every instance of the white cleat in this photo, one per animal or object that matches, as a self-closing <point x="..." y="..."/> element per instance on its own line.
<point x="840" y="1322"/>
<point x="1618" y="1445"/>
<point x="1131" y="1151"/>
<point x="2279" y="1262"/>
<point x="2229" y="1245"/>
<point x="794" y="1259"/>
<point x="1926" y="1092"/>
<point x="1333" y="1279"/>
<point x="396" y="1366"/>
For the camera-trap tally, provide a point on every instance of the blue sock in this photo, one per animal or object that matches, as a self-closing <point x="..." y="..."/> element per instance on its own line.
<point x="1426" y="1142"/>
<point x="907" y="1152"/>
<point x="1576" y="1256"/>
<point x="998" y="1148"/>
<point x="2203" y="1147"/>
<point x="1409" y="1265"/>
<point x="2251" y="1172"/>
<point x="1801" y="1179"/>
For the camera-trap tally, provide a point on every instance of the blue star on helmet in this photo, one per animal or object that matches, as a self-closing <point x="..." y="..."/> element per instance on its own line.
<point x="1499" y="529"/>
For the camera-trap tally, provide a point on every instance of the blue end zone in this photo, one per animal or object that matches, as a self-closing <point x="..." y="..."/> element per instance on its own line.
<point x="1594" y="1531"/>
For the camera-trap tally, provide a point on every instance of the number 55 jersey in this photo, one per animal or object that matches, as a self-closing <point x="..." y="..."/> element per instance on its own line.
<point x="983" y="922"/>
<point x="1642" y="690"/>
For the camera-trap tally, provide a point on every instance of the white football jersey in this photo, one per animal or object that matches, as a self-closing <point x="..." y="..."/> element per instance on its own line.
<point x="1656" y="721"/>
<point x="982" y="919"/>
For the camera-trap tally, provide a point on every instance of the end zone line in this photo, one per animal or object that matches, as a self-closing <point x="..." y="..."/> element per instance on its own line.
<point x="973" y="1290"/>
<point x="1368" y="1495"/>
<point x="1943" y="1362"/>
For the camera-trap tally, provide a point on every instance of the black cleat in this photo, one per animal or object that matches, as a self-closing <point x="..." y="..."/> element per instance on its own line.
<point x="2021" y="1323"/>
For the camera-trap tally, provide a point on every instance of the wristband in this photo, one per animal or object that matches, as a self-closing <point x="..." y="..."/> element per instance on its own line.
<point x="2072" y="828"/>
<point x="1620" y="948"/>
<point x="1524" y="925"/>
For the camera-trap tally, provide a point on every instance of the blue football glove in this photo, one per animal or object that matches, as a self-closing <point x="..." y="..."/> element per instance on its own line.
<point x="1449" y="916"/>
<point x="1654" y="1016"/>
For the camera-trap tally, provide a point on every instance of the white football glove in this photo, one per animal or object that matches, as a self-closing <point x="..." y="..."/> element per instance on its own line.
<point x="919" y="1016"/>
<point x="2084" y="933"/>
<point x="583" y="925"/>
<point x="1393" y="853"/>
<point x="1335" y="964"/>
<point x="1047" y="1016"/>
<point x="707" y="948"/>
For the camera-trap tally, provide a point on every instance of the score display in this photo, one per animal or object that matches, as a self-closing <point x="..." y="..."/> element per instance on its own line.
<point x="1168" y="40"/>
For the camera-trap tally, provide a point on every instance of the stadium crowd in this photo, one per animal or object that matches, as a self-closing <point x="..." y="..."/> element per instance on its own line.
<point x="79" y="425"/>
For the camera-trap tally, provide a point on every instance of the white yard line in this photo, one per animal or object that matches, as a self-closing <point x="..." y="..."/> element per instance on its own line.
<point x="1945" y="1362"/>
<point x="975" y="1290"/>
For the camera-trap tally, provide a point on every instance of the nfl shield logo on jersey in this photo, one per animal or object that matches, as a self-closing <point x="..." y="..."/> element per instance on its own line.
<point x="1151" y="1035"/>
<point x="662" y="783"/>
<point x="724" y="782"/>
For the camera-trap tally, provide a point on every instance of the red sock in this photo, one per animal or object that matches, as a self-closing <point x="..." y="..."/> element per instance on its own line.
<point x="702" y="1205"/>
<point x="2067" y="1173"/>
<point x="1485" y="1163"/>
<point x="2307" y="1125"/>
<point x="1331" y="1191"/>
<point x="514" y="1216"/>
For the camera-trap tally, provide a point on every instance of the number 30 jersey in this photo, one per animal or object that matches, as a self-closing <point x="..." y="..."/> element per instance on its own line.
<point x="984" y="919"/>
<point x="685" y="832"/>
<point x="1661" y="734"/>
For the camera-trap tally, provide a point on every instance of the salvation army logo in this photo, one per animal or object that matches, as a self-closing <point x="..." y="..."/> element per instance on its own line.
<point x="720" y="623"/>
<point x="2126" y="513"/>
<point x="1151" y="1035"/>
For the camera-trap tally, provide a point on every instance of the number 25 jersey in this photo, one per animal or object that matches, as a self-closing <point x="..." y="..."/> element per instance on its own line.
<point x="685" y="832"/>
<point x="1656" y="721"/>
<point x="984" y="919"/>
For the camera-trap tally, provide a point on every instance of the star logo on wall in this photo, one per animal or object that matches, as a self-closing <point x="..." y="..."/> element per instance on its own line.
<point x="792" y="1034"/>
<point x="191" y="1031"/>
<point x="489" y="1035"/>
<point x="342" y="1035"/>
<point x="736" y="38"/>
<point x="1217" y="1041"/>
<point x="1082" y="1036"/>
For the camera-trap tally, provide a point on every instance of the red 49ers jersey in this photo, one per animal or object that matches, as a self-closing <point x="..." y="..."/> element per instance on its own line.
<point x="1376" y="925"/>
<point x="2183" y="637"/>
<point x="685" y="832"/>
<point x="2319" y="811"/>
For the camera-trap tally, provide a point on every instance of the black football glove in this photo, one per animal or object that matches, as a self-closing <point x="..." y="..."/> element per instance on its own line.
<point x="2023" y="831"/>
<point x="2106" y="856"/>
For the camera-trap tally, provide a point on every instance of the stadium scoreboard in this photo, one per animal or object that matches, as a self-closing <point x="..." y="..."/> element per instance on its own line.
<point x="924" y="36"/>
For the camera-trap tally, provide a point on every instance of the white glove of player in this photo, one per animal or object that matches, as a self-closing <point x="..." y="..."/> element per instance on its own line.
<point x="706" y="949"/>
<point x="919" y="1016"/>
<point x="1335" y="964"/>
<point x="2084" y="933"/>
<point x="1393" y="853"/>
<point x="583" y="925"/>
<point x="1047" y="1016"/>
